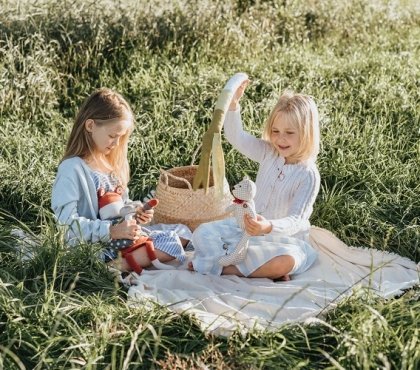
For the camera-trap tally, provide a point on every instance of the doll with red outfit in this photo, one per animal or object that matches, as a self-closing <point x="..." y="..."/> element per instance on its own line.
<point x="112" y="207"/>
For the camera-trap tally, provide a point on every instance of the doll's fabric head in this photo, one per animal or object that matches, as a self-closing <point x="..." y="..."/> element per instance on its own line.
<point x="245" y="190"/>
<point x="109" y="203"/>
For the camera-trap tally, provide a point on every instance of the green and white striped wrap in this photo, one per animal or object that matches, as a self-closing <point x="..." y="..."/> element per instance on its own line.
<point x="212" y="144"/>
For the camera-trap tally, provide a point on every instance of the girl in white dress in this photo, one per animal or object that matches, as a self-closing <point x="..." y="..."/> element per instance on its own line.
<point x="287" y="184"/>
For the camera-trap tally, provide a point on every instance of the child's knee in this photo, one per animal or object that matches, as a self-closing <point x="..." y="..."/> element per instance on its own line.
<point x="283" y="265"/>
<point x="275" y="268"/>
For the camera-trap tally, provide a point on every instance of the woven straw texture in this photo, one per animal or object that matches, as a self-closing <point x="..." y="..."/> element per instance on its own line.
<point x="179" y="203"/>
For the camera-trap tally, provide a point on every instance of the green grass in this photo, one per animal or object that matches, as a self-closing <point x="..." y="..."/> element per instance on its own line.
<point x="359" y="59"/>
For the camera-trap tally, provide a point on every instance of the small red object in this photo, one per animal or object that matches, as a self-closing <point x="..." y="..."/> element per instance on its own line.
<point x="127" y="253"/>
<point x="152" y="203"/>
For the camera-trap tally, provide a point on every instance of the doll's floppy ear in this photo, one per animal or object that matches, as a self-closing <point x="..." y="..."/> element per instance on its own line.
<point x="119" y="190"/>
<point x="127" y="209"/>
<point x="101" y="192"/>
<point x="135" y="204"/>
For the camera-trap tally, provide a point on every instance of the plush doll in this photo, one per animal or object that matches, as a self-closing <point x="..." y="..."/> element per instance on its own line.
<point x="243" y="204"/>
<point x="112" y="207"/>
<point x="110" y="203"/>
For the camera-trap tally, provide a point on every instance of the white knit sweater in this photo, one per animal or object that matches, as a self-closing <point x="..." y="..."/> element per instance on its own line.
<point x="285" y="192"/>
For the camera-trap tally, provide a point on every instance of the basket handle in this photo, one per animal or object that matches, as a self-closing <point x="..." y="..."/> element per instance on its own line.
<point x="165" y="175"/>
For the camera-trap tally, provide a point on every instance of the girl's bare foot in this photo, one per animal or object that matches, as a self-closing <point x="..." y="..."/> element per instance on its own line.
<point x="190" y="266"/>
<point x="283" y="278"/>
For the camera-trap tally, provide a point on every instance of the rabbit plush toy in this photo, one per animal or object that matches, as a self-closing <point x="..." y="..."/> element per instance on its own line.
<point x="244" y="193"/>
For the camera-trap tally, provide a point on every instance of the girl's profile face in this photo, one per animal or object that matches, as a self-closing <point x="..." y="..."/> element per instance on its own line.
<point x="285" y="137"/>
<point x="106" y="137"/>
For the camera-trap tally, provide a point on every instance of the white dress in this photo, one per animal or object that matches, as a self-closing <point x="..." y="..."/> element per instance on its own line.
<point x="285" y="196"/>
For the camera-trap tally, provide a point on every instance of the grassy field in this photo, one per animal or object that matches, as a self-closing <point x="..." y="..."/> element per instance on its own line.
<point x="359" y="59"/>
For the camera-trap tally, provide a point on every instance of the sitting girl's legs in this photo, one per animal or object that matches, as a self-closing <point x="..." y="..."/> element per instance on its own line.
<point x="276" y="268"/>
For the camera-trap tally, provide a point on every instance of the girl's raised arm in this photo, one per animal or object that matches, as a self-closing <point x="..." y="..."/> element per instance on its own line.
<point x="241" y="140"/>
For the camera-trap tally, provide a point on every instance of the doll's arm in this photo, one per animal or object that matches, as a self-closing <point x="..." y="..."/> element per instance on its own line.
<point x="152" y="203"/>
<point x="144" y="213"/>
<point x="251" y="210"/>
<point x="230" y="208"/>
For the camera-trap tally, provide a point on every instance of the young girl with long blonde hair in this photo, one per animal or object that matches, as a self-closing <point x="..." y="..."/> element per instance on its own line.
<point x="95" y="161"/>
<point x="287" y="182"/>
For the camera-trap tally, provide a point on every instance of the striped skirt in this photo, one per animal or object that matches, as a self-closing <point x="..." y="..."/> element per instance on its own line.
<point x="215" y="239"/>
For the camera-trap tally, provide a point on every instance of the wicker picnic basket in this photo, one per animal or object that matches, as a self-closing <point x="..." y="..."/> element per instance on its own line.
<point x="192" y="195"/>
<point x="179" y="203"/>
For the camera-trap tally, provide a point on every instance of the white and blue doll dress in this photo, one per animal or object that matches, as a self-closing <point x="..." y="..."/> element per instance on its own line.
<point x="165" y="239"/>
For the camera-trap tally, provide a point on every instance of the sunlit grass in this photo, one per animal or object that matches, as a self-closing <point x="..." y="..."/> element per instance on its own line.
<point x="359" y="59"/>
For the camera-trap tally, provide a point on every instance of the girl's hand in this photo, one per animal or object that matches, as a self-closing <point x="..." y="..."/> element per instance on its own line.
<point x="259" y="226"/>
<point x="238" y="95"/>
<point x="127" y="229"/>
<point x="144" y="217"/>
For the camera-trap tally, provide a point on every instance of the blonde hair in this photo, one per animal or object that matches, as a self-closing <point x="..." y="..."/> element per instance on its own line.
<point x="302" y="114"/>
<point x="103" y="106"/>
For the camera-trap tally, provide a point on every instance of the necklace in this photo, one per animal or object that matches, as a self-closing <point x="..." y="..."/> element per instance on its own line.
<point x="280" y="177"/>
<point x="281" y="174"/>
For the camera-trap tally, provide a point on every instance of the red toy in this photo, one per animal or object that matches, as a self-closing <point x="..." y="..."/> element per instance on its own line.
<point x="111" y="206"/>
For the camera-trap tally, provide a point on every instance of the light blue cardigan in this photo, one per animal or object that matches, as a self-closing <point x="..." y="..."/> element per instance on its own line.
<point x="75" y="203"/>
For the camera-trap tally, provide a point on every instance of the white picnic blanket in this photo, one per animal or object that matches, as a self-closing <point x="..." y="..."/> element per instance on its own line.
<point x="223" y="304"/>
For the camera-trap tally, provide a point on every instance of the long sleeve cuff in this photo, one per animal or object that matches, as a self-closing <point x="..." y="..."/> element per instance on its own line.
<point x="289" y="225"/>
